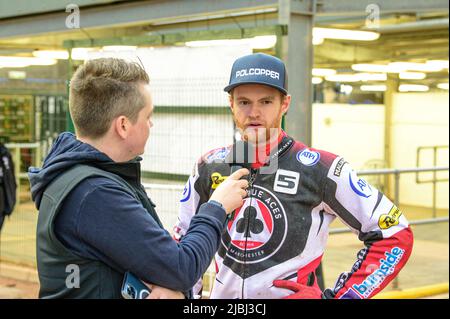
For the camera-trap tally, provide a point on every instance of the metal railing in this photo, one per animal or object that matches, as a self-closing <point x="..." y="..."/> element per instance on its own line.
<point x="435" y="180"/>
<point x="397" y="172"/>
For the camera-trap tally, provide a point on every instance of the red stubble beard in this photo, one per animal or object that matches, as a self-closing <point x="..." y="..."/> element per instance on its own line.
<point x="260" y="136"/>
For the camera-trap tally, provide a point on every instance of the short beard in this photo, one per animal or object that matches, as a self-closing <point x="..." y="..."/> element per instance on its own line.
<point x="262" y="136"/>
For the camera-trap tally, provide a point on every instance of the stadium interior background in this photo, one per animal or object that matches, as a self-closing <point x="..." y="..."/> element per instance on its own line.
<point x="378" y="97"/>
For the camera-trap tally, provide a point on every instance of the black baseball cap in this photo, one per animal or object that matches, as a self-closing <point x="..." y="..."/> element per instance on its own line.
<point x="258" y="68"/>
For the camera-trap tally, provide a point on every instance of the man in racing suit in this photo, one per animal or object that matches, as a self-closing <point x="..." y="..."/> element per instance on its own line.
<point x="274" y="243"/>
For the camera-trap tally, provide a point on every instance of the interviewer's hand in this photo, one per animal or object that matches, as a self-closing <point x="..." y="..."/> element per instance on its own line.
<point x="231" y="192"/>
<point x="164" y="293"/>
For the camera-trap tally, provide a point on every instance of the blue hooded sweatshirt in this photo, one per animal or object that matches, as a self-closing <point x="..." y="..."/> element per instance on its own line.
<point x="100" y="221"/>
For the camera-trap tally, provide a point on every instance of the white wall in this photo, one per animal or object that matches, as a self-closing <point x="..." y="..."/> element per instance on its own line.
<point x="420" y="119"/>
<point x="355" y="132"/>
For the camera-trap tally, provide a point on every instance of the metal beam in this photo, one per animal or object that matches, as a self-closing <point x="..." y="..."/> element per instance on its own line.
<point x="171" y="38"/>
<point x="133" y="13"/>
<point x="9" y="9"/>
<point x="352" y="7"/>
<point x="298" y="55"/>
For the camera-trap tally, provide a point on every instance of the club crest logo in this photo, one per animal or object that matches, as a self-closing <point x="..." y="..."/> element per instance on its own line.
<point x="258" y="228"/>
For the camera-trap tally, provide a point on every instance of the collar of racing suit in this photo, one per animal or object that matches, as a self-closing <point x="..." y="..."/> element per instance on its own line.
<point x="262" y="157"/>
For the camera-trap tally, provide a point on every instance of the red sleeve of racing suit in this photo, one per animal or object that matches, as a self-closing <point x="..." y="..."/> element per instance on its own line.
<point x="379" y="224"/>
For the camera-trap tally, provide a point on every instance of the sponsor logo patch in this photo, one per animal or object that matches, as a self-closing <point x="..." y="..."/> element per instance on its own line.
<point x="186" y="192"/>
<point x="217" y="155"/>
<point x="359" y="185"/>
<point x="286" y="182"/>
<point x="391" y="219"/>
<point x="308" y="157"/>
<point x="386" y="268"/>
<point x="217" y="179"/>
<point x="339" y="165"/>
<point x="350" y="294"/>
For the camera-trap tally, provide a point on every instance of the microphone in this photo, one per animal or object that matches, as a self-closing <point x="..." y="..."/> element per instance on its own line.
<point x="241" y="156"/>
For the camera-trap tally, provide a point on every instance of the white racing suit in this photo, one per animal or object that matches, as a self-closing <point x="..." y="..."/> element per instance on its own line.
<point x="282" y="228"/>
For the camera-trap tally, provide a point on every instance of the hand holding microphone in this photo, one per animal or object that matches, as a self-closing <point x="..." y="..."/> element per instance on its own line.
<point x="232" y="191"/>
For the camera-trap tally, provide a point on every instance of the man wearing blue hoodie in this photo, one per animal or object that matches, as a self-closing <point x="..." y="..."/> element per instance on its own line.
<point x="95" y="220"/>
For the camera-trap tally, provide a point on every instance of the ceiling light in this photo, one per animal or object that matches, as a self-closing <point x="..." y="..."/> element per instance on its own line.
<point x="346" y="89"/>
<point x="20" y="62"/>
<point x="413" y="88"/>
<point x="42" y="61"/>
<point x="441" y="63"/>
<point x="13" y="64"/>
<point x="317" y="40"/>
<point x="330" y="33"/>
<point x="17" y="75"/>
<point x="373" y="88"/>
<point x="443" y="86"/>
<point x="51" y="54"/>
<point x="323" y="72"/>
<point x="383" y="68"/>
<point x="411" y="66"/>
<point x="81" y="53"/>
<point x="371" y="76"/>
<point x="356" y="77"/>
<point x="263" y="42"/>
<point x="412" y="75"/>
<point x="316" y="80"/>
<point x="350" y="77"/>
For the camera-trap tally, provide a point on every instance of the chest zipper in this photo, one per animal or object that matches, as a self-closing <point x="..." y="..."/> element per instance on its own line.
<point x="253" y="174"/>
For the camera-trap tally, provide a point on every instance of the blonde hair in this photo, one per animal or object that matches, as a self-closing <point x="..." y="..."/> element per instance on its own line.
<point x="103" y="89"/>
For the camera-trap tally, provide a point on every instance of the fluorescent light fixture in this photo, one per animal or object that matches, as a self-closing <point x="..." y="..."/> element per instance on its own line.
<point x="20" y="62"/>
<point x="119" y="48"/>
<point x="412" y="75"/>
<point x="42" y="61"/>
<point x="383" y="68"/>
<point x="317" y="40"/>
<point x="356" y="77"/>
<point x="13" y="64"/>
<point x="349" y="77"/>
<point x="443" y="86"/>
<point x="373" y="88"/>
<point x="441" y="63"/>
<point x="77" y="54"/>
<point x="323" y="72"/>
<point x="316" y="80"/>
<point x="346" y="89"/>
<point x="341" y="34"/>
<point x="412" y="66"/>
<point x="263" y="42"/>
<point x="371" y="76"/>
<point x="17" y="75"/>
<point x="413" y="88"/>
<point x="51" y="54"/>
<point x="81" y="53"/>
